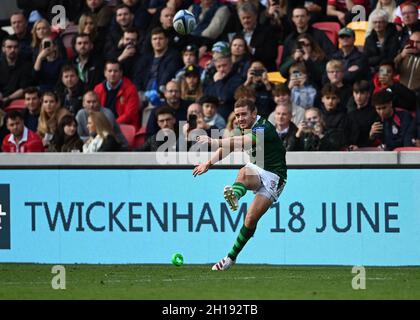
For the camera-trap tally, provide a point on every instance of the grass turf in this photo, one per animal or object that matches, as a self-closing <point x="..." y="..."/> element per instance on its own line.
<point x="189" y="282"/>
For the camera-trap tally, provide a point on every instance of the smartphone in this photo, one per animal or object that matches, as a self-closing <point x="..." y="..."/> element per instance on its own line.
<point x="47" y="44"/>
<point x="192" y="121"/>
<point x="258" y="72"/>
<point x="296" y="74"/>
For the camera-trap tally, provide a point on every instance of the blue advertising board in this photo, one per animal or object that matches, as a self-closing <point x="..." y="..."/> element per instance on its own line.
<point x="323" y="217"/>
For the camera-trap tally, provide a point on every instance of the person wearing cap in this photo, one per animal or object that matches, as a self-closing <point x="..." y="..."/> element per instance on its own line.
<point x="356" y="64"/>
<point x="189" y="58"/>
<point x="393" y="129"/>
<point x="211" y="117"/>
<point x="219" y="49"/>
<point x="191" y="88"/>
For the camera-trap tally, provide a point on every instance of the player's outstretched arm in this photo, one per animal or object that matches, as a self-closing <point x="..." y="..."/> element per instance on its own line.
<point x="204" y="167"/>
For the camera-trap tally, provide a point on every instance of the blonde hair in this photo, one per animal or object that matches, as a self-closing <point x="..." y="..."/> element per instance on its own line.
<point x="82" y="24"/>
<point x="36" y="42"/>
<point x="102" y="124"/>
<point x="335" y="65"/>
<point x="186" y="94"/>
<point x="47" y="123"/>
<point x="319" y="114"/>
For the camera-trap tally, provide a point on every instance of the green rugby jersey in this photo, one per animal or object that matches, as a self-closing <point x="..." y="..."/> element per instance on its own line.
<point x="268" y="152"/>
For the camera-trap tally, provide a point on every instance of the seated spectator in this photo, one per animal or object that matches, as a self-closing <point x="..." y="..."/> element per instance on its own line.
<point x="387" y="78"/>
<point x="119" y="94"/>
<point x="334" y="118"/>
<point x="155" y="69"/>
<point x="32" y="109"/>
<point x="285" y="128"/>
<point x="302" y="92"/>
<point x="66" y="138"/>
<point x="241" y="57"/>
<point x="88" y="26"/>
<point x="361" y="115"/>
<point x="166" y="139"/>
<point x="89" y="66"/>
<point x="316" y="8"/>
<point x="389" y="6"/>
<point x="48" y="65"/>
<point x="225" y="82"/>
<point x="173" y="100"/>
<point x="231" y="127"/>
<point x="282" y="96"/>
<point x="41" y="30"/>
<point x="276" y="14"/>
<point x="50" y="115"/>
<point x="15" y="73"/>
<point x="20" y="139"/>
<point x="408" y="64"/>
<point x="70" y="89"/>
<point x="356" y="65"/>
<point x="141" y="16"/>
<point x="102" y="137"/>
<point x="312" y="134"/>
<point x="383" y="41"/>
<point x="211" y="16"/>
<point x="91" y="103"/>
<point x="20" y="28"/>
<point x="310" y="53"/>
<point x="258" y="80"/>
<point x="189" y="58"/>
<point x="243" y="92"/>
<point x="211" y="117"/>
<point x="219" y="49"/>
<point x="190" y="84"/>
<point x="100" y="11"/>
<point x="395" y="128"/>
<point x="342" y="9"/>
<point x="300" y="18"/>
<point x="410" y="13"/>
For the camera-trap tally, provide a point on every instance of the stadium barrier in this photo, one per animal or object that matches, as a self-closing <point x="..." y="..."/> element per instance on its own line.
<point x="338" y="208"/>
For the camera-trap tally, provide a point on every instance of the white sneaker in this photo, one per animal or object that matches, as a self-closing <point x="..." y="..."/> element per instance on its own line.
<point x="224" y="264"/>
<point x="230" y="198"/>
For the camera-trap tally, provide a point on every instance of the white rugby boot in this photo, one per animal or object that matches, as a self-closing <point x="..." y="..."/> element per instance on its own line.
<point x="223" y="264"/>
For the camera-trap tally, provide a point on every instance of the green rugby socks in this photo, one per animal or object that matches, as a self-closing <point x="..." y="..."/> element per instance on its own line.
<point x="244" y="235"/>
<point x="239" y="189"/>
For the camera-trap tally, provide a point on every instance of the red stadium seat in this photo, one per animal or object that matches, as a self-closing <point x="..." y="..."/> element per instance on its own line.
<point x="67" y="39"/>
<point x="129" y="132"/>
<point x="280" y="50"/>
<point x="140" y="137"/>
<point x="18" y="104"/>
<point x="330" y="28"/>
<point x="407" y="149"/>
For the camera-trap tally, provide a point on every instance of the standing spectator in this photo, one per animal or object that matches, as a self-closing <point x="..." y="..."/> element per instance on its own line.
<point x="119" y="94"/>
<point x="211" y="117"/>
<point x="89" y="66"/>
<point x="32" y="108"/>
<point x="66" y="138"/>
<point x="303" y="94"/>
<point x="102" y="137"/>
<point x="91" y="103"/>
<point x="15" y="73"/>
<point x="356" y="64"/>
<point x="70" y="89"/>
<point x="20" y="139"/>
<point x="383" y="41"/>
<point x="395" y="128"/>
<point x="285" y="128"/>
<point x="225" y="82"/>
<point x="20" y="29"/>
<point x="408" y="64"/>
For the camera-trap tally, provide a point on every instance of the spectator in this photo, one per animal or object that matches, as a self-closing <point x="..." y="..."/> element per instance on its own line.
<point x="231" y="127"/>
<point x="100" y="11"/>
<point x="89" y="66"/>
<point x="20" y="139"/>
<point x="241" y="57"/>
<point x="282" y="96"/>
<point x="389" y="6"/>
<point x="395" y="128"/>
<point x="342" y="9"/>
<point x="211" y="16"/>
<point x="91" y="103"/>
<point x="300" y="18"/>
<point x="154" y="70"/>
<point x="362" y="115"/>
<point x="21" y="31"/>
<point x="173" y="100"/>
<point x="139" y="9"/>
<point x="211" y="117"/>
<point x="219" y="49"/>
<point x="309" y="52"/>
<point x="3" y="127"/>
<point x="257" y="79"/>
<point x="191" y="88"/>
<point x="119" y="94"/>
<point x="88" y="26"/>
<point x="15" y="73"/>
<point x="276" y="13"/>
<point x="41" y="30"/>
<point x="66" y="138"/>
<point x="32" y="108"/>
<point x="316" y="8"/>
<point x="387" y="78"/>
<point x="225" y="82"/>
<point x="102" y="137"/>
<point x="285" y="128"/>
<point x="48" y="65"/>
<point x="408" y="64"/>
<point x="302" y="92"/>
<point x="70" y="89"/>
<point x="125" y="21"/>
<point x="243" y="92"/>
<point x="410" y="19"/>
<point x="356" y="64"/>
<point x="262" y="40"/>
<point x="50" y="115"/>
<point x="166" y="139"/>
<point x="313" y="136"/>
<point x="189" y="58"/>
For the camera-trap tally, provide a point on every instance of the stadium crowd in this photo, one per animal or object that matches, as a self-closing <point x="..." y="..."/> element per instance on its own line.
<point x="120" y="78"/>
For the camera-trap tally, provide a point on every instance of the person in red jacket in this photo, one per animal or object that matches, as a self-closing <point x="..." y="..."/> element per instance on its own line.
<point x="119" y="94"/>
<point x="20" y="139"/>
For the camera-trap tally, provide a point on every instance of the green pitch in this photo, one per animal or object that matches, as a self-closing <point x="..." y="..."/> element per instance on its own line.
<point x="28" y="281"/>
